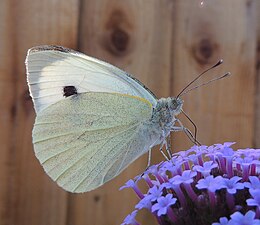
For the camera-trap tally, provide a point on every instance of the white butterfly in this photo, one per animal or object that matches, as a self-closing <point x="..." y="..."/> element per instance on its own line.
<point x="93" y="119"/>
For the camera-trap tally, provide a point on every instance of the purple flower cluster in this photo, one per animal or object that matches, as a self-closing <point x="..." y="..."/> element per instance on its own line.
<point x="202" y="186"/>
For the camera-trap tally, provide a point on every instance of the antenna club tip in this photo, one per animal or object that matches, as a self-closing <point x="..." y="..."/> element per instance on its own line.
<point x="228" y="74"/>
<point x="218" y="63"/>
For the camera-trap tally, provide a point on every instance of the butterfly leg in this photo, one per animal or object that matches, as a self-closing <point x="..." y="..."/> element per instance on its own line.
<point x="149" y="158"/>
<point x="190" y="136"/>
<point x="168" y="145"/>
<point x="149" y="161"/>
<point x="161" y="150"/>
<point x="186" y="131"/>
<point x="150" y="155"/>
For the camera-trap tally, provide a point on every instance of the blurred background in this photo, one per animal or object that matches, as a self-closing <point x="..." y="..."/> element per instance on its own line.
<point x="165" y="44"/>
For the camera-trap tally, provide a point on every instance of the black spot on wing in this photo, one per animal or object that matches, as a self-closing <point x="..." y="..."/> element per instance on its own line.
<point x="69" y="90"/>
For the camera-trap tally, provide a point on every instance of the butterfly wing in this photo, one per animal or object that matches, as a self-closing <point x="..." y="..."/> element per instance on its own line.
<point x="51" y="68"/>
<point x="87" y="139"/>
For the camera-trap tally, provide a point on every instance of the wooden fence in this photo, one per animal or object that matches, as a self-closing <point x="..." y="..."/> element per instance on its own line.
<point x="165" y="43"/>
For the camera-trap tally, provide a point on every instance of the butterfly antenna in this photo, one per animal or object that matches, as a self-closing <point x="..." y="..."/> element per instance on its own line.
<point x="208" y="82"/>
<point x="189" y="84"/>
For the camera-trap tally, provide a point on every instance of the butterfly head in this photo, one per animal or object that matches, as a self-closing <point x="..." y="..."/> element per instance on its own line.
<point x="175" y="105"/>
<point x="170" y="106"/>
<point x="165" y="112"/>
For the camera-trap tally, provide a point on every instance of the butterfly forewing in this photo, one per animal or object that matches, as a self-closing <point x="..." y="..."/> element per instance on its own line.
<point x="51" y="68"/>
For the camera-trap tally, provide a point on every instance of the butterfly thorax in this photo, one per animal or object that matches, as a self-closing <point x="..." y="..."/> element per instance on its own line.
<point x="165" y="112"/>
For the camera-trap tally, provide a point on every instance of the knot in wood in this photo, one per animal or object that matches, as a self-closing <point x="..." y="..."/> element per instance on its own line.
<point x="204" y="51"/>
<point x="119" y="39"/>
<point x="96" y="198"/>
<point x="117" y="33"/>
<point x="27" y="101"/>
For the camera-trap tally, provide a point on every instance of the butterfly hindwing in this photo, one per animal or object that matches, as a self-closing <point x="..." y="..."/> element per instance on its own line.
<point x="87" y="139"/>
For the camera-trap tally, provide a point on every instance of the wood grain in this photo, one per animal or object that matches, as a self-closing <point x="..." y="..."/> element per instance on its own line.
<point x="257" y="83"/>
<point x="134" y="35"/>
<point x="6" y="113"/>
<point x="29" y="195"/>
<point x="223" y="111"/>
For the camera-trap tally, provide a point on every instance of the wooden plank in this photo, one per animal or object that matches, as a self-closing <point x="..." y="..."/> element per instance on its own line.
<point x="6" y="105"/>
<point x="257" y="83"/>
<point x="223" y="111"/>
<point x="31" y="197"/>
<point x="134" y="35"/>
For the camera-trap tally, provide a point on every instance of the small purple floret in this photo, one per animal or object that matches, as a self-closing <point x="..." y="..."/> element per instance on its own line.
<point x="232" y="184"/>
<point x="254" y="183"/>
<point x="238" y="218"/>
<point x="154" y="193"/>
<point x="222" y="221"/>
<point x="255" y="201"/>
<point x="132" y="184"/>
<point x="162" y="207"/>
<point x="130" y="219"/>
<point x="206" y="169"/>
